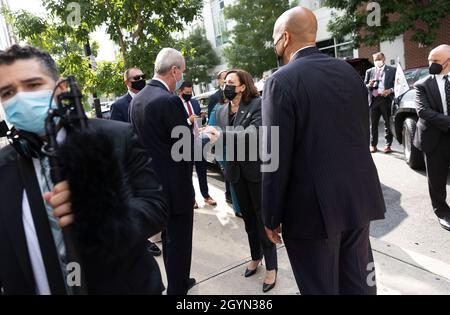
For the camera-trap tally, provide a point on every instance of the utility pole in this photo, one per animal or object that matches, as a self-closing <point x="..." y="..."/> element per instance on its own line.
<point x="93" y="65"/>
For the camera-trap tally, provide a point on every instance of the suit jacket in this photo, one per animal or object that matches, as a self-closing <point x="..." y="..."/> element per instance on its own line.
<point x="326" y="181"/>
<point x="248" y="116"/>
<point x="214" y="100"/>
<point x="432" y="120"/>
<point x="389" y="80"/>
<point x="119" y="109"/>
<point x="155" y="112"/>
<point x="136" y="272"/>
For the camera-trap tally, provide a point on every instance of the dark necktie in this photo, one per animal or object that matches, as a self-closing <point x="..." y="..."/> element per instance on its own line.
<point x="447" y="92"/>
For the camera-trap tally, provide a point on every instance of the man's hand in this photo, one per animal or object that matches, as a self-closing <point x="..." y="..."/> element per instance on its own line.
<point x="59" y="200"/>
<point x="371" y="83"/>
<point x="386" y="93"/>
<point x="192" y="118"/>
<point x="211" y="132"/>
<point x="274" y="235"/>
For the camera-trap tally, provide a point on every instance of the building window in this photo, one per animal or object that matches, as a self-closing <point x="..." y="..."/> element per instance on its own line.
<point x="220" y="29"/>
<point x="341" y="49"/>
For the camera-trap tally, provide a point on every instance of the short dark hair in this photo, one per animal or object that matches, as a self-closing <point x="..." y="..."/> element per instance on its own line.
<point x="17" y="52"/>
<point x="250" y="91"/>
<point x="186" y="84"/>
<point x="127" y="72"/>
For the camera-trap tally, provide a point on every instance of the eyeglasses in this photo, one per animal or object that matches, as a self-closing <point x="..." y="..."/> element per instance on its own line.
<point x="138" y="77"/>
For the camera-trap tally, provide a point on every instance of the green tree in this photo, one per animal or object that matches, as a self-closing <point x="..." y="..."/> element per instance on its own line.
<point x="251" y="39"/>
<point x="200" y="56"/>
<point x="139" y="27"/>
<point x="359" y="21"/>
<point x="57" y="39"/>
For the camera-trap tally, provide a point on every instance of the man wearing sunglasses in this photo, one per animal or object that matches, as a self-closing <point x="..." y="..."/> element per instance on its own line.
<point x="135" y="81"/>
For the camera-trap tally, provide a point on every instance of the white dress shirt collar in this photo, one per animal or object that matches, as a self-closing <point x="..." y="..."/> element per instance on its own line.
<point x="131" y="94"/>
<point x="295" y="54"/>
<point x="165" y="84"/>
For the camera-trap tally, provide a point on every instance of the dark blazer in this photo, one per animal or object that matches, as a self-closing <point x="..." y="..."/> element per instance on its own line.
<point x="214" y="100"/>
<point x="136" y="272"/>
<point x="389" y="80"/>
<point x="248" y="116"/>
<point x="154" y="113"/>
<point x="119" y="109"/>
<point x="326" y="181"/>
<point x="432" y="121"/>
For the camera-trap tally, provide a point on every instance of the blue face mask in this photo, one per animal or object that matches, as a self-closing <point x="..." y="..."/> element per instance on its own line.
<point x="28" y="110"/>
<point x="179" y="82"/>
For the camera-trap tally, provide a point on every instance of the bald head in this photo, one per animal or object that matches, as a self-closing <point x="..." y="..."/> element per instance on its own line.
<point x="300" y="23"/>
<point x="441" y="55"/>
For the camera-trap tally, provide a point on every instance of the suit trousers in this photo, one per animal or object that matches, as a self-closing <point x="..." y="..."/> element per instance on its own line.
<point x="381" y="106"/>
<point x="341" y="264"/>
<point x="437" y="163"/>
<point x="249" y="199"/>
<point x="201" y="168"/>
<point x="177" y="251"/>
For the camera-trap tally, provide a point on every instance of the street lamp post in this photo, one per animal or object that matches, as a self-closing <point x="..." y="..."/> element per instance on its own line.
<point x="93" y="65"/>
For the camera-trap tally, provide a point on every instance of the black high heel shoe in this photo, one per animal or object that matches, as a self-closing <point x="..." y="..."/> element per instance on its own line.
<point x="268" y="287"/>
<point x="251" y="272"/>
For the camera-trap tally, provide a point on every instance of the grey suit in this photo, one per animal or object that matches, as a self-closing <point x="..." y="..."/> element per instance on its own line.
<point x="246" y="177"/>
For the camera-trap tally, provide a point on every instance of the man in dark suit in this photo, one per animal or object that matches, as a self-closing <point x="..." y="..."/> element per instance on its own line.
<point x="325" y="189"/>
<point x="194" y="116"/>
<point x="218" y="96"/>
<point x="134" y="79"/>
<point x="155" y="112"/>
<point x="31" y="258"/>
<point x="380" y="83"/>
<point x="433" y="133"/>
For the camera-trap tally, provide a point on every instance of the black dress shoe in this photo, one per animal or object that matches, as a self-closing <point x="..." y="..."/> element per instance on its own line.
<point x="191" y="283"/>
<point x="153" y="249"/>
<point x="268" y="287"/>
<point x="444" y="221"/>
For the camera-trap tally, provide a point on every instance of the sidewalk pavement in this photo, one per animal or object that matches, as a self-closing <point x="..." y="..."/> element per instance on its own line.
<point x="221" y="252"/>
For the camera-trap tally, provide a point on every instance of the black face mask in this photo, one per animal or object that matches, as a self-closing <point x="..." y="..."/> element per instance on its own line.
<point x="280" y="61"/>
<point x="435" y="68"/>
<point x="138" y="85"/>
<point x="186" y="97"/>
<point x="230" y="92"/>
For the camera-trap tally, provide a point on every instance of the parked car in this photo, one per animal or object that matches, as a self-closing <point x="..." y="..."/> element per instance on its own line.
<point x="404" y="119"/>
<point x="361" y="65"/>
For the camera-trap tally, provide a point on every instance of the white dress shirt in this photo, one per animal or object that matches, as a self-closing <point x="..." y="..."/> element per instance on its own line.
<point x="441" y="85"/>
<point x="165" y="84"/>
<point x="34" y="250"/>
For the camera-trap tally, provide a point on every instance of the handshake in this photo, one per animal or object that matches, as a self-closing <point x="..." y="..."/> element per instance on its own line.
<point x="212" y="133"/>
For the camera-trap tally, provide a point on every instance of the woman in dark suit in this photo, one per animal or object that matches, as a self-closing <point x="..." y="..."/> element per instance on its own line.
<point x="243" y="167"/>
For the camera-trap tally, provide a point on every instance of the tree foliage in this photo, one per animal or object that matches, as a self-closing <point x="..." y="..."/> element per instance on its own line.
<point x="139" y="27"/>
<point x="200" y="56"/>
<point x="396" y="17"/>
<point x="251" y="38"/>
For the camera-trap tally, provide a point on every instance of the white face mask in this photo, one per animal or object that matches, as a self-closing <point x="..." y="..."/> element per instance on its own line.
<point x="379" y="63"/>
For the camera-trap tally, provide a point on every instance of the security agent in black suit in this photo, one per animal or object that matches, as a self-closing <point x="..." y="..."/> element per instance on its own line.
<point x="218" y="96"/>
<point x="243" y="170"/>
<point x="433" y="133"/>
<point x="155" y="112"/>
<point x="325" y="190"/>
<point x="28" y="258"/>
<point x="380" y="83"/>
<point x="134" y="79"/>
